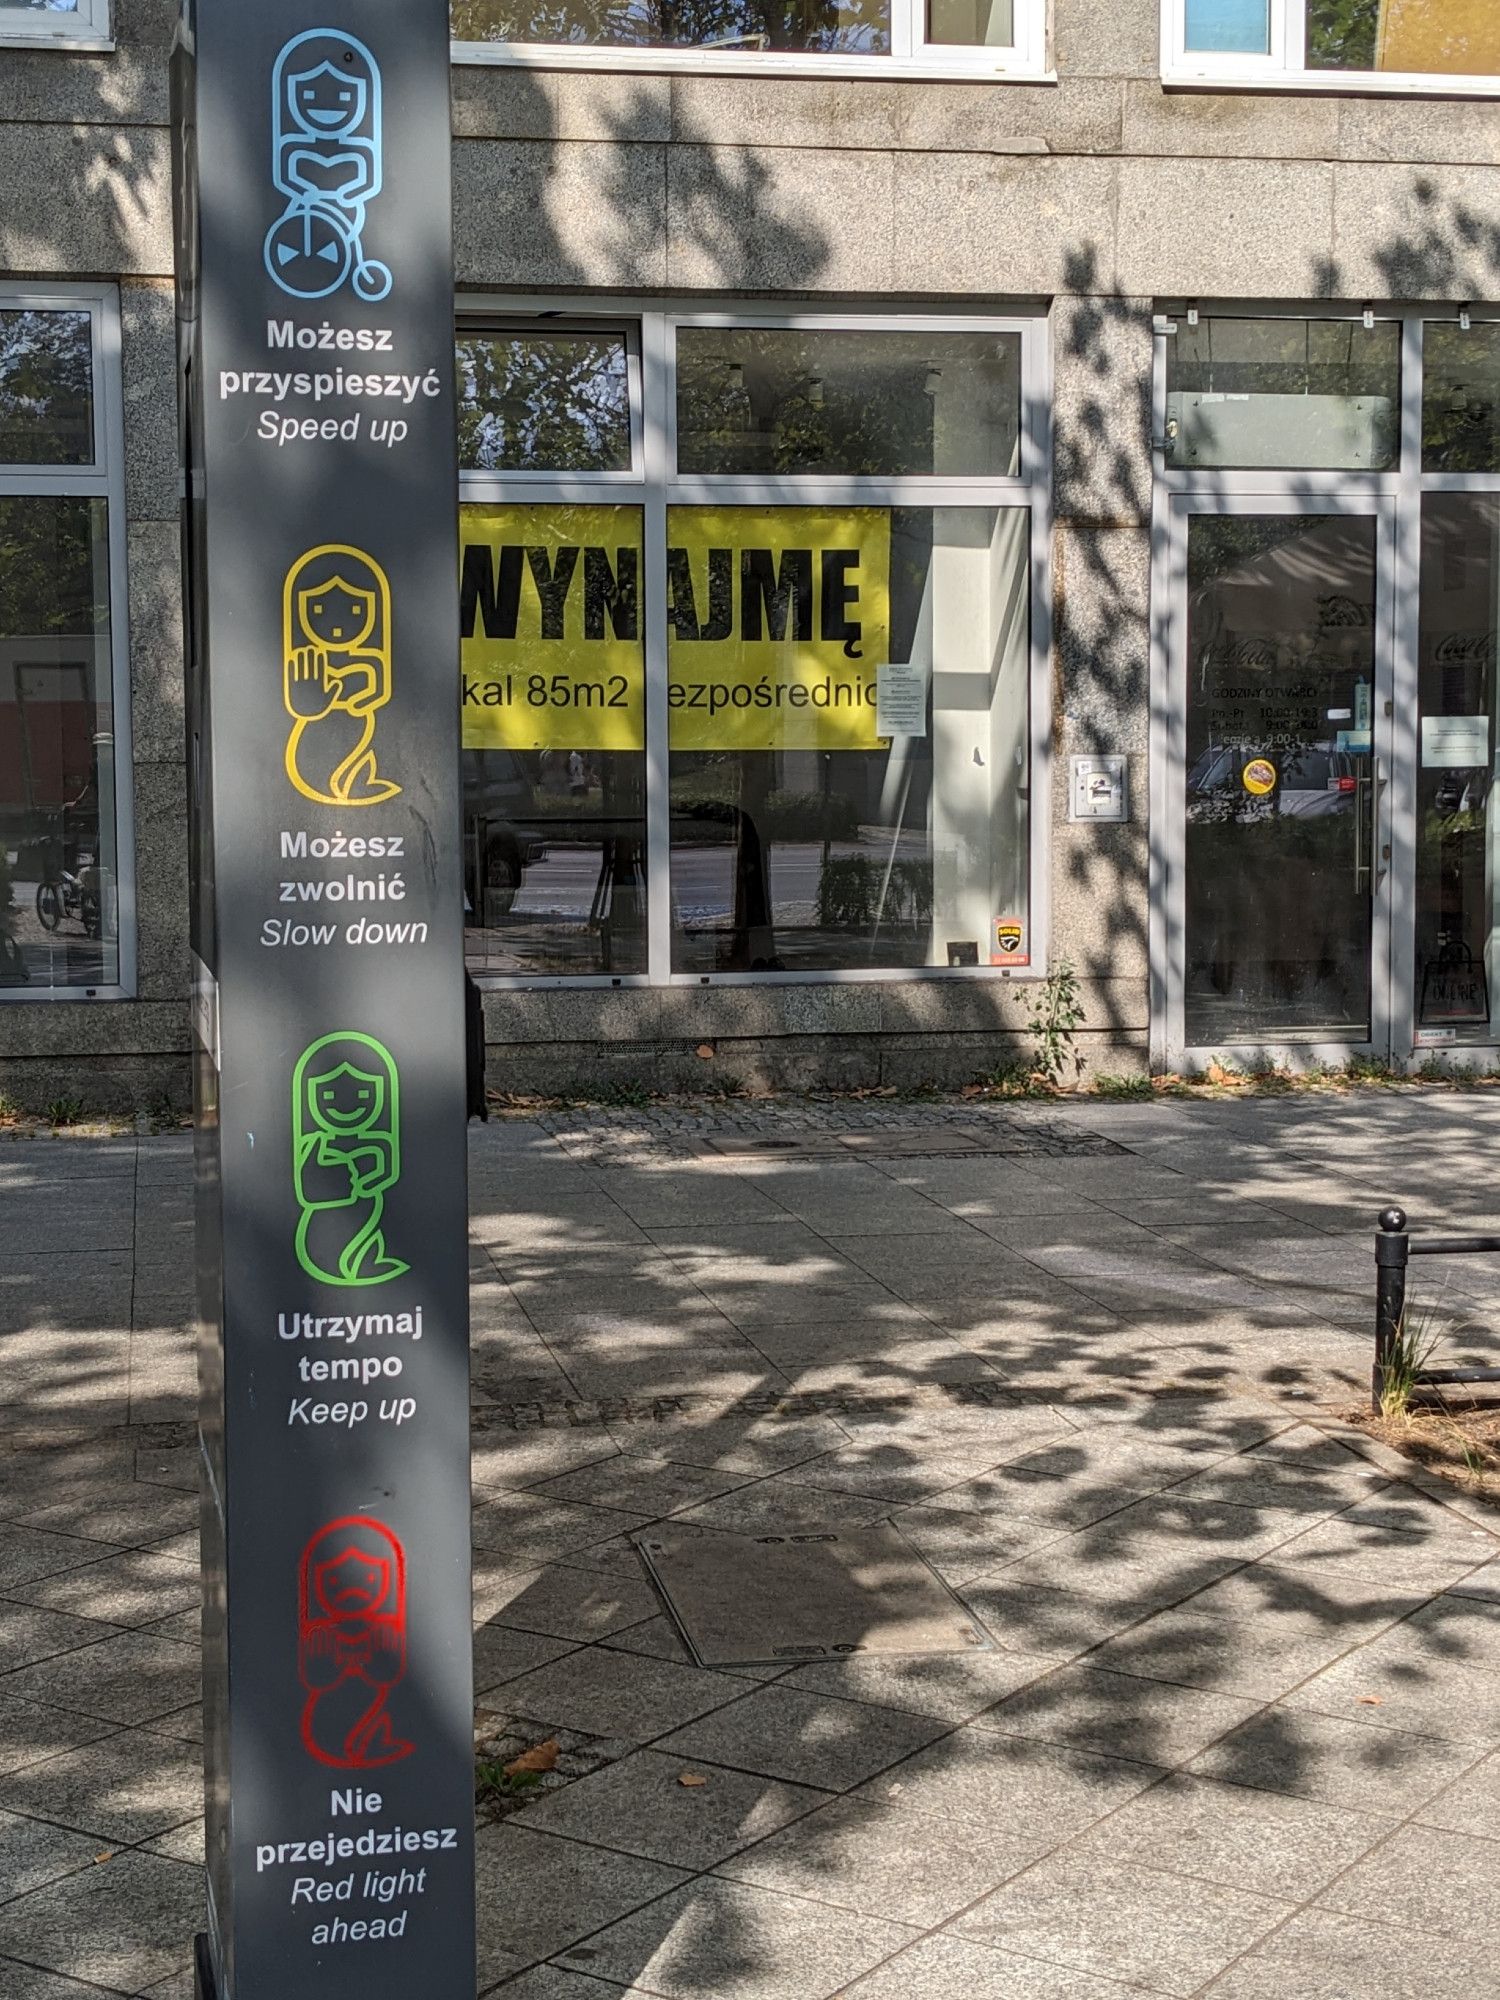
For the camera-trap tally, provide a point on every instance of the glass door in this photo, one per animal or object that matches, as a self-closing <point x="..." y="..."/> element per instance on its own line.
<point x="1279" y="720"/>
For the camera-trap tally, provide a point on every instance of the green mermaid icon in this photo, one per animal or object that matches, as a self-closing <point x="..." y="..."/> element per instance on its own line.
<point x="346" y="1151"/>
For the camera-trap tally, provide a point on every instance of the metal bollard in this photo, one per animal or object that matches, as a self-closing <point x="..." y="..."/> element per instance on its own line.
<point x="1392" y="1249"/>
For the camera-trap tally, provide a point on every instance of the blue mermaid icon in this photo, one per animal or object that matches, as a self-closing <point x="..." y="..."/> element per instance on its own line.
<point x="327" y="161"/>
<point x="346" y="1150"/>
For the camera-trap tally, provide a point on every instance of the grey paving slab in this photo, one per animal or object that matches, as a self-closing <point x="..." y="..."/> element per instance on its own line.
<point x="30" y="1982"/>
<point x="34" y="1853"/>
<point x="124" y="1789"/>
<point x="1109" y="1918"/>
<point x="128" y="1677"/>
<point x="560" y="1601"/>
<point x="1339" y="1763"/>
<point x="805" y="1739"/>
<point x="737" y="1943"/>
<point x="538" y="1894"/>
<point x="1263" y="1842"/>
<point x="29" y="1634"/>
<point x="1318" y="1953"/>
<point x="30" y="1731"/>
<point x="528" y="1528"/>
<point x="122" y="1925"/>
<point x="1122" y="1714"/>
<point x="641" y="1806"/>
<point x="1257" y="1658"/>
<point x="857" y="1854"/>
<point x="1023" y="1790"/>
<point x="944" y="1968"/>
<point x="1396" y="1681"/>
<point x="1471" y="1805"/>
<point x="951" y="1687"/>
<point x="1424" y="1879"/>
<point x="137" y="1587"/>
<point x="618" y="1694"/>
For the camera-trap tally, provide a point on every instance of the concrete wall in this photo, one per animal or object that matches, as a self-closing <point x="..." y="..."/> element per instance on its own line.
<point x="1089" y="197"/>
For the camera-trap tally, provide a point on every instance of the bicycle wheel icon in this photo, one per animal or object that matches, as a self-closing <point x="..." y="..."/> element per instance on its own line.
<point x="372" y="281"/>
<point x="310" y="252"/>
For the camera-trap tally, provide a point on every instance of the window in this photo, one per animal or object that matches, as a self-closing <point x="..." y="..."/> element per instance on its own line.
<point x="1439" y="45"/>
<point x="748" y="654"/>
<point x="63" y="717"/>
<point x="994" y="36"/>
<point x="82" y="22"/>
<point x="1298" y="393"/>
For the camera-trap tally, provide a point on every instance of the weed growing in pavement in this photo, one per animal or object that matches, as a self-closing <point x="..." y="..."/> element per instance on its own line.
<point x="1124" y="1089"/>
<point x="1054" y="1013"/>
<point x="64" y="1111"/>
<point x="1407" y="1358"/>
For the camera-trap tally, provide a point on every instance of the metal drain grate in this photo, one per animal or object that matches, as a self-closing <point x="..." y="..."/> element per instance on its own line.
<point x="772" y="1600"/>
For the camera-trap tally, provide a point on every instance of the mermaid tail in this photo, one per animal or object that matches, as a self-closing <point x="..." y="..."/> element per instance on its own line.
<point x="345" y="1245"/>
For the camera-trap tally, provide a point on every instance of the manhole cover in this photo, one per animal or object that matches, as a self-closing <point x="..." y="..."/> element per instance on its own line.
<point x="774" y="1599"/>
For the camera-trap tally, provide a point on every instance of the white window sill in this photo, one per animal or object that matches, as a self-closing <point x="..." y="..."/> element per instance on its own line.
<point x="951" y="66"/>
<point x="1330" y="82"/>
<point x="93" y="45"/>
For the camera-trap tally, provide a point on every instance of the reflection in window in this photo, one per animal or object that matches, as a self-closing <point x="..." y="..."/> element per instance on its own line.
<point x="1442" y="37"/>
<point x="59" y="916"/>
<point x="972" y="23"/>
<point x="543" y="402"/>
<point x="553" y="739"/>
<point x="881" y="404"/>
<point x="1296" y="393"/>
<point x="1231" y="27"/>
<point x="802" y="839"/>
<point x="1458" y="825"/>
<point x="839" y="27"/>
<point x="46" y="388"/>
<point x="1279" y="836"/>
<point x="1461" y="398"/>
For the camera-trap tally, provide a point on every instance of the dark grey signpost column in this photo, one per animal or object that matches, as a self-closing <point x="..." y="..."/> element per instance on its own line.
<point x="316" y="310"/>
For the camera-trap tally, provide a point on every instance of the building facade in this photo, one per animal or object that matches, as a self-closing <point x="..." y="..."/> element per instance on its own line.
<point x="949" y="493"/>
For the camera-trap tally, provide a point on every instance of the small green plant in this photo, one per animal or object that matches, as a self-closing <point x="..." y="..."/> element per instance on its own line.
<point x="1406" y="1359"/>
<point x="64" y="1111"/>
<point x="627" y="1095"/>
<point x="1436" y="1069"/>
<point x="1125" y="1089"/>
<point x="1370" y="1069"/>
<point x="1055" y="1012"/>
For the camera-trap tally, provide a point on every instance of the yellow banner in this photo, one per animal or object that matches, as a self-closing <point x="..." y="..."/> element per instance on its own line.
<point x="1456" y="38"/>
<point x="550" y="603"/>
<point x="777" y="619"/>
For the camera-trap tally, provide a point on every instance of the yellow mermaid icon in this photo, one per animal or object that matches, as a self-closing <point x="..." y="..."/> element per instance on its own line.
<point x="336" y="639"/>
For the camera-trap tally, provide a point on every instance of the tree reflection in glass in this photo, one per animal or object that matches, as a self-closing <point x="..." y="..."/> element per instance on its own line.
<point x="828" y="27"/>
<point x="46" y="388"/>
<point x="543" y="402"/>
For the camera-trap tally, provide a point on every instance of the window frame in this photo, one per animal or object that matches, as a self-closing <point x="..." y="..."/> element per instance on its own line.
<point x="1284" y="68"/>
<point x="90" y="28"/>
<point x="911" y="54"/>
<point x="102" y="479"/>
<point x="656" y="485"/>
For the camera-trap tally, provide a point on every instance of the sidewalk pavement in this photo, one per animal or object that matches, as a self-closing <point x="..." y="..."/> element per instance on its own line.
<point x="1239" y="1734"/>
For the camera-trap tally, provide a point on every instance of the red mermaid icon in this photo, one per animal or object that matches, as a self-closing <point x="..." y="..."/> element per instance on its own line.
<point x="351" y="1642"/>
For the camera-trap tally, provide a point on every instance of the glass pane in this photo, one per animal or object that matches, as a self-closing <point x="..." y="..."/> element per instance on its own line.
<point x="804" y="838"/>
<point x="553" y="739"/>
<point x="1281" y="671"/>
<point x="543" y="402"/>
<point x="1461" y="399"/>
<point x="972" y="23"/>
<point x="1458" y="826"/>
<point x="1441" y="37"/>
<point x="1230" y="27"/>
<point x="1298" y="393"/>
<point x="827" y="27"/>
<point x="765" y="399"/>
<point x="46" y="388"/>
<point x="59" y="876"/>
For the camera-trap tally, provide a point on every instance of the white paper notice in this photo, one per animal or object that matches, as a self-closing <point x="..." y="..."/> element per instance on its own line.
<point x="1455" y="742"/>
<point x="900" y="699"/>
